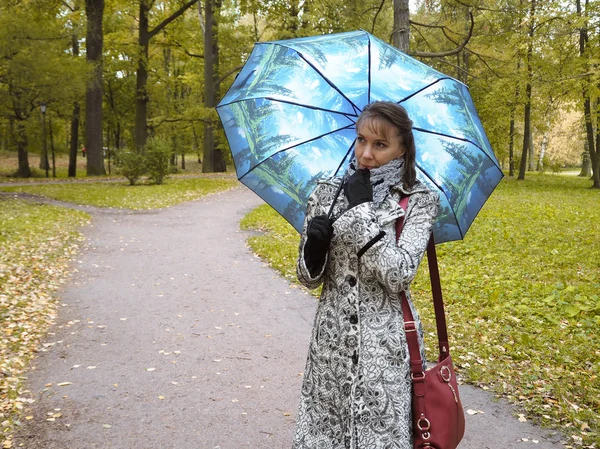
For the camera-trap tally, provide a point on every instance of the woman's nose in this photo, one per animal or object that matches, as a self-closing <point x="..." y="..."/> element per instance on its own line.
<point x="367" y="152"/>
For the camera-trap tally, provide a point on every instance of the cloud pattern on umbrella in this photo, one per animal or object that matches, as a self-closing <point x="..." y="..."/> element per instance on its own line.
<point x="290" y="119"/>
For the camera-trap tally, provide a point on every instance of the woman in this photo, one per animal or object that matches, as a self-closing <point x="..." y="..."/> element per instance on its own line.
<point x="356" y="392"/>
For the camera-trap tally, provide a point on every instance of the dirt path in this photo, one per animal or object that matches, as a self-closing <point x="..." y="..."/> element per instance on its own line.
<point x="171" y="334"/>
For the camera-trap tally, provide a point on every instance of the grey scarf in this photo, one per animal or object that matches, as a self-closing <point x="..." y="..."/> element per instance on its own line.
<point x="382" y="178"/>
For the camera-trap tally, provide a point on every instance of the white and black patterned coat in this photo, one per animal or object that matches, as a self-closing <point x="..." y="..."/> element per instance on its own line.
<point x="356" y="392"/>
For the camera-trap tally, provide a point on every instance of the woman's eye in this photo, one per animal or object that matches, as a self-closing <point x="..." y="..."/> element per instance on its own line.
<point x="360" y="139"/>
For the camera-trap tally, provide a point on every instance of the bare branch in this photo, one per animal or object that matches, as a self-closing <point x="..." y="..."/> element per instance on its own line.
<point x="449" y="52"/>
<point x="186" y="51"/>
<point x="376" y="14"/>
<point x="158" y="28"/>
<point x="231" y="72"/>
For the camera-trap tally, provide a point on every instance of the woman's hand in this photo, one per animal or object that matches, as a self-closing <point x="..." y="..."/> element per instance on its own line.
<point x="318" y="238"/>
<point x="358" y="187"/>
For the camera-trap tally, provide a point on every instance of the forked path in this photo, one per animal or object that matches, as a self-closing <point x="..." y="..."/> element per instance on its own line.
<point x="173" y="335"/>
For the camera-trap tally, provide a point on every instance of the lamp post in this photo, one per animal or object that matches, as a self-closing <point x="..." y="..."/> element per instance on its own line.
<point x="43" y="109"/>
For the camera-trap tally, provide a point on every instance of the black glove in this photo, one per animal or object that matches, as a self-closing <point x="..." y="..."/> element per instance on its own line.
<point x="358" y="187"/>
<point x="318" y="238"/>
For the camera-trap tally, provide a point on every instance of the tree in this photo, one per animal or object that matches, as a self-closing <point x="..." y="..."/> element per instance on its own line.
<point x="94" y="10"/>
<point x="75" y="116"/>
<point x="34" y="63"/>
<point x="528" y="89"/>
<point x="593" y="139"/>
<point x="213" y="158"/>
<point x="145" y="34"/>
<point x="401" y="30"/>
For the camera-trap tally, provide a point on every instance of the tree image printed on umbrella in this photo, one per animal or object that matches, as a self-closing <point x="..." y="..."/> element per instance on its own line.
<point x="290" y="115"/>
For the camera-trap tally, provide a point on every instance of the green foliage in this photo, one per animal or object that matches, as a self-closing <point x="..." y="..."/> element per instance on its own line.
<point x="110" y="194"/>
<point x="157" y="159"/>
<point x="131" y="165"/>
<point x="521" y="293"/>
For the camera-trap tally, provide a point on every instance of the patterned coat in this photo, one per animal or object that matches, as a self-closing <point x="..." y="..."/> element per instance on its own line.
<point x="356" y="392"/>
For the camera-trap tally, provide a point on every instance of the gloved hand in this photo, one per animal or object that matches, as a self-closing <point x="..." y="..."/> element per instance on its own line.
<point x="318" y="238"/>
<point x="358" y="187"/>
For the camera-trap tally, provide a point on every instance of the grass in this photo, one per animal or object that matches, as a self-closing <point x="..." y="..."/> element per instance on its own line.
<point x="521" y="293"/>
<point x="122" y="195"/>
<point x="37" y="243"/>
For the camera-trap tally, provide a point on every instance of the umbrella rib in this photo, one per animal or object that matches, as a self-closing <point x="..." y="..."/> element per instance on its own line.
<point x="425" y="87"/>
<point x="458" y="138"/>
<point x="294" y="146"/>
<point x="316" y="70"/>
<point x="349" y="116"/>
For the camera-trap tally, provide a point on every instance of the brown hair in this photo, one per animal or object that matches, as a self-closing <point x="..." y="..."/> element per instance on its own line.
<point x="397" y="116"/>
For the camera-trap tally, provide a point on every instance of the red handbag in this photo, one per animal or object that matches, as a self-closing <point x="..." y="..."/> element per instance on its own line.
<point x="438" y="416"/>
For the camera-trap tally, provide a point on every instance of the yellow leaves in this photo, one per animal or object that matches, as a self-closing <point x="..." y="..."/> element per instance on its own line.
<point x="36" y="246"/>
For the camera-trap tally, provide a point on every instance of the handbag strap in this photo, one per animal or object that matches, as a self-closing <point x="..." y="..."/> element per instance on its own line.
<point x="438" y="305"/>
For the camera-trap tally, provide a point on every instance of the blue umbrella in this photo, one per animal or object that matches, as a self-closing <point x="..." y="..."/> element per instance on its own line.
<point x="289" y="118"/>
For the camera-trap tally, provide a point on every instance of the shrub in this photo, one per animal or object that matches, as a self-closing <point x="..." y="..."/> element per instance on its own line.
<point x="158" y="159"/>
<point x="131" y="165"/>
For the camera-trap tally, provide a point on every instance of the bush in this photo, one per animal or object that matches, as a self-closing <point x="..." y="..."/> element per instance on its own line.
<point x="158" y="156"/>
<point x="131" y="165"/>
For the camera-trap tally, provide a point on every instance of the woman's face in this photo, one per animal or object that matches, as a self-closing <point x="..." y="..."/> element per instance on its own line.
<point x="377" y="143"/>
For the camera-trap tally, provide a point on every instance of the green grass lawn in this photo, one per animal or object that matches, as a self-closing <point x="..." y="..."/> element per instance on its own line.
<point x="522" y="297"/>
<point x="122" y="195"/>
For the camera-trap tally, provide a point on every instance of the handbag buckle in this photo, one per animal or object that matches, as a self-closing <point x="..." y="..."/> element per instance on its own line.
<point x="445" y="374"/>
<point x="423" y="425"/>
<point x="410" y="326"/>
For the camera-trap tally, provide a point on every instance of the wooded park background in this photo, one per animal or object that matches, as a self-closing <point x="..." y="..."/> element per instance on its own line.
<point x="109" y="75"/>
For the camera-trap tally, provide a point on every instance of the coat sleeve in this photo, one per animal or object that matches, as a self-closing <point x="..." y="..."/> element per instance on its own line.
<point x="313" y="209"/>
<point x="394" y="262"/>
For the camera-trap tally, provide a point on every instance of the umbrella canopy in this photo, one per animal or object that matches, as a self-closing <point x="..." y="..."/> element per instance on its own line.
<point x="290" y="119"/>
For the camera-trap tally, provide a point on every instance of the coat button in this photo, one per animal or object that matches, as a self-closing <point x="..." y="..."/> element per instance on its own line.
<point x="353" y="319"/>
<point x="352" y="281"/>
<point x="355" y="358"/>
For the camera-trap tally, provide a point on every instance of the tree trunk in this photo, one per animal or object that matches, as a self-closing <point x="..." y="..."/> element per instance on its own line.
<point x="511" y="143"/>
<point x="94" y="10"/>
<point x="74" y="142"/>
<point x="209" y="89"/>
<point x="141" y="81"/>
<point x="587" y="104"/>
<point x="213" y="158"/>
<point x="401" y="30"/>
<point x="20" y="139"/>
<point x="531" y="156"/>
<point x="527" y="119"/>
<point x="511" y="146"/>
<point x="540" y="165"/>
<point x="586" y="165"/>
